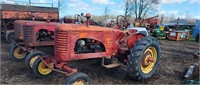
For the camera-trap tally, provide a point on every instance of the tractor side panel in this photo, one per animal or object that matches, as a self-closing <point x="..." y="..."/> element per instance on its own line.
<point x="77" y="34"/>
<point x="49" y="28"/>
<point x="65" y="43"/>
<point x="117" y="35"/>
<point x="35" y="36"/>
<point x="108" y="40"/>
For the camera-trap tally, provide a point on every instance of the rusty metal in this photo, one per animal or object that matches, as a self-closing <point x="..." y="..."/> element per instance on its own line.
<point x="149" y="23"/>
<point x="10" y="11"/>
<point x="115" y="41"/>
<point x="26" y="34"/>
<point x="29" y="30"/>
<point x="28" y="15"/>
<point x="67" y="35"/>
<point x="63" y="65"/>
<point x="109" y="65"/>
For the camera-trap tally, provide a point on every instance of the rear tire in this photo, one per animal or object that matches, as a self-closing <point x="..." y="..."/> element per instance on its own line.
<point x="16" y="53"/>
<point x="77" y="78"/>
<point x="144" y="58"/>
<point x="10" y="36"/>
<point x="31" y="57"/>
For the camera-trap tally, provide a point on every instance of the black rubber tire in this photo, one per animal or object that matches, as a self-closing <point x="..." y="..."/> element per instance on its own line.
<point x="197" y="38"/>
<point x="36" y="72"/>
<point x="31" y="55"/>
<point x="74" y="77"/>
<point x="12" y="57"/>
<point x="135" y="57"/>
<point x="10" y="36"/>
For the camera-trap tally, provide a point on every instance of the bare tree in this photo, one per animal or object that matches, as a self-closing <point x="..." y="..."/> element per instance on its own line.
<point x="127" y="8"/>
<point x="142" y="7"/>
<point x="106" y="12"/>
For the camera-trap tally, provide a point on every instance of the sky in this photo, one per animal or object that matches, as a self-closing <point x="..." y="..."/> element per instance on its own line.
<point x="175" y="8"/>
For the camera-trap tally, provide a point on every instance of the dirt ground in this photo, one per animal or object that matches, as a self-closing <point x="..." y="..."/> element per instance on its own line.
<point x="176" y="58"/>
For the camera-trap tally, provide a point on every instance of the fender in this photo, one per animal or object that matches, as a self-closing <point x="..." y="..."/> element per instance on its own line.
<point x="127" y="40"/>
<point x="132" y="39"/>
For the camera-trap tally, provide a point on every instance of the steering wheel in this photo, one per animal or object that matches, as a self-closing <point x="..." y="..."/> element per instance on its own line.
<point x="78" y="19"/>
<point x="123" y="23"/>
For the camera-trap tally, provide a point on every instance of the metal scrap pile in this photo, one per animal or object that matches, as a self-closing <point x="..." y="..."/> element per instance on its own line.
<point x="192" y="75"/>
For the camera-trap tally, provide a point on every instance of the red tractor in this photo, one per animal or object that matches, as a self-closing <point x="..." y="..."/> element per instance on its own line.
<point x="11" y="12"/>
<point x="29" y="36"/>
<point x="33" y="38"/>
<point x="76" y="42"/>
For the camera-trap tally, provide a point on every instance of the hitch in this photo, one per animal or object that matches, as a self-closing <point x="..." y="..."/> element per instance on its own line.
<point x="61" y="65"/>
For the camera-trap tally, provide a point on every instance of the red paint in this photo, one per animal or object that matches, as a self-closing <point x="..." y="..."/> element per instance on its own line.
<point x="67" y="35"/>
<point x="28" y="15"/>
<point x="36" y="26"/>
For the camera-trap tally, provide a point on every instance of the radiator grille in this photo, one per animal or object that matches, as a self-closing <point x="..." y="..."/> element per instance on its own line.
<point x="61" y="42"/>
<point x="17" y="29"/>
<point x="28" y="34"/>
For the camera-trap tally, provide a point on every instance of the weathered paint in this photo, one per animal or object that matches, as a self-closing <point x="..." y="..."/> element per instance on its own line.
<point x="28" y="15"/>
<point x="29" y="39"/>
<point x="66" y="36"/>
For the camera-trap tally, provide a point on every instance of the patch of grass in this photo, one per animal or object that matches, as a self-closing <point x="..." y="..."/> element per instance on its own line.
<point x="191" y="38"/>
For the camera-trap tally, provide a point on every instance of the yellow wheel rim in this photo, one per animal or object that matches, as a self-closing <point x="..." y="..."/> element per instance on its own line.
<point x="79" y="82"/>
<point x="33" y="60"/>
<point x="43" y="69"/>
<point x="148" y="60"/>
<point x="18" y="53"/>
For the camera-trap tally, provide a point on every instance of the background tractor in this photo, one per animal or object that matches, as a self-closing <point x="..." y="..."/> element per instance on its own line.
<point x="77" y="41"/>
<point x="10" y="12"/>
<point x="31" y="36"/>
<point x="159" y="32"/>
<point x="149" y="23"/>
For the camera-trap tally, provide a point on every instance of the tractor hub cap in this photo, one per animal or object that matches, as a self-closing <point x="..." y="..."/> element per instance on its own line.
<point x="19" y="53"/>
<point x="43" y="69"/>
<point x="148" y="60"/>
<point x="79" y="82"/>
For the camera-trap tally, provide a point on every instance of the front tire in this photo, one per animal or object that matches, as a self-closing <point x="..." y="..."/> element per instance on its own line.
<point x="77" y="79"/>
<point x="10" y="36"/>
<point x="31" y="57"/>
<point x="144" y="58"/>
<point x="41" y="70"/>
<point x="16" y="53"/>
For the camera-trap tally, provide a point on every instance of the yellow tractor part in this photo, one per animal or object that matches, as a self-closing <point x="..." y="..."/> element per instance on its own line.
<point x="79" y="82"/>
<point x="43" y="69"/>
<point x="162" y="28"/>
<point x="19" y="54"/>
<point x="148" y="60"/>
<point x="33" y="60"/>
<point x="137" y="24"/>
